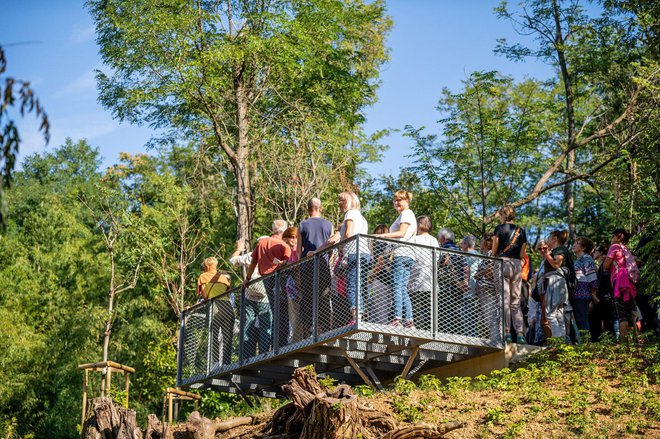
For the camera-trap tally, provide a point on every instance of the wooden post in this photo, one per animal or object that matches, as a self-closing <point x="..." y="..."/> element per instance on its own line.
<point x="84" y="397"/>
<point x="169" y="408"/>
<point x="108" y="381"/>
<point x="126" y="382"/>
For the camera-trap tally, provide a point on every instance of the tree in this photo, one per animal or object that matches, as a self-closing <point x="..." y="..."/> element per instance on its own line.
<point x="9" y="136"/>
<point x="581" y="48"/>
<point x="236" y="73"/>
<point x="110" y="210"/>
<point x="496" y="138"/>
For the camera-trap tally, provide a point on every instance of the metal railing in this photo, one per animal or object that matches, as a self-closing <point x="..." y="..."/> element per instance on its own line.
<point x="362" y="284"/>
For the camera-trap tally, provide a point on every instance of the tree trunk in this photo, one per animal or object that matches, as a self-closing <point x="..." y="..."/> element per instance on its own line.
<point x="569" y="196"/>
<point x="110" y="421"/>
<point x="244" y="207"/>
<point x="108" y="323"/>
<point x="324" y="415"/>
<point x="334" y="418"/>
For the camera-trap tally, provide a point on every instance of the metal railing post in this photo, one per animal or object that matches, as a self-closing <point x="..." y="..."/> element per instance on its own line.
<point x="276" y="316"/>
<point x="315" y="298"/>
<point x="434" y="300"/>
<point x="358" y="287"/>
<point x="241" y="326"/>
<point x="179" y="354"/>
<point x="209" y="353"/>
<point x="502" y="309"/>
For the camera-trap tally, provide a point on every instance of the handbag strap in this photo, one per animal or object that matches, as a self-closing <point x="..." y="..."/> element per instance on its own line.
<point x="512" y="240"/>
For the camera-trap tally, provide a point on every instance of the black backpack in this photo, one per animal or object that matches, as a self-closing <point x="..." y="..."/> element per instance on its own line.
<point x="571" y="278"/>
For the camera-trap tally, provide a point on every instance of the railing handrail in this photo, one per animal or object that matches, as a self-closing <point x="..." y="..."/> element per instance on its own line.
<point x="329" y="249"/>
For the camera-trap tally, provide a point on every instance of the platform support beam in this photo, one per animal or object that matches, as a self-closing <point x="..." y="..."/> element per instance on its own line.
<point x="359" y="371"/>
<point x="410" y="361"/>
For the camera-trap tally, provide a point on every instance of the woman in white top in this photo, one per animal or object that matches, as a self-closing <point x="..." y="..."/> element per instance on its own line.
<point x="403" y="229"/>
<point x="354" y="223"/>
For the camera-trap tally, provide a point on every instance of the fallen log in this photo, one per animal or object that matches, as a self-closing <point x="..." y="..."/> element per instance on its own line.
<point x="199" y="427"/>
<point x="422" y="431"/>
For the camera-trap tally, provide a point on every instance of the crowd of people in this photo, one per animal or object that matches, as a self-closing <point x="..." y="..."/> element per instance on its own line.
<point x="589" y="289"/>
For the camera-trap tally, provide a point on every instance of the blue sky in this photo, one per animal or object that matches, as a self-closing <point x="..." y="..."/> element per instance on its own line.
<point x="434" y="44"/>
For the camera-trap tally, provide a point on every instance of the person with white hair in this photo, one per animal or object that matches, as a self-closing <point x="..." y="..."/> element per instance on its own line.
<point x="268" y="256"/>
<point x="468" y="245"/>
<point x="451" y="273"/>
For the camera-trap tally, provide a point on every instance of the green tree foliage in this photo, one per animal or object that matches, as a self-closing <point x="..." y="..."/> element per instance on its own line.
<point x="55" y="275"/>
<point x="249" y="79"/>
<point x="496" y="141"/>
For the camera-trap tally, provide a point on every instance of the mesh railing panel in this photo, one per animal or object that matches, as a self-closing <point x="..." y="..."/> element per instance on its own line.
<point x="365" y="284"/>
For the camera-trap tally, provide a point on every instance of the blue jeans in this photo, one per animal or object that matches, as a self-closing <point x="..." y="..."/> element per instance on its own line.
<point x="401" y="268"/>
<point x="351" y="278"/>
<point x="257" y="311"/>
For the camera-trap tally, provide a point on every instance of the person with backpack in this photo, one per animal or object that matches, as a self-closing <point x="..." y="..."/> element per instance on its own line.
<point x="510" y="244"/>
<point x="624" y="275"/>
<point x="559" y="280"/>
<point x="602" y="315"/>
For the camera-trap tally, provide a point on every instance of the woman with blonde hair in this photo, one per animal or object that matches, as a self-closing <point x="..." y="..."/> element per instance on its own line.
<point x="404" y="229"/>
<point x="354" y="223"/>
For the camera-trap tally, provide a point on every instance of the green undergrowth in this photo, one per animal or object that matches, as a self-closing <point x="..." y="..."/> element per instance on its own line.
<point x="603" y="389"/>
<point x="600" y="389"/>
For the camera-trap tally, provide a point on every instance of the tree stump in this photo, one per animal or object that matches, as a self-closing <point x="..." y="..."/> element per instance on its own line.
<point x="156" y="430"/>
<point x="314" y="413"/>
<point x="109" y="421"/>
<point x="334" y="418"/>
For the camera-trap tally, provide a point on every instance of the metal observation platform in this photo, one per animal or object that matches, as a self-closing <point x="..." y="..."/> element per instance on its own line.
<point x="362" y="312"/>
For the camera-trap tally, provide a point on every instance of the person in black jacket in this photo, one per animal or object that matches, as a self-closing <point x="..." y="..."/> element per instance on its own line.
<point x="601" y="318"/>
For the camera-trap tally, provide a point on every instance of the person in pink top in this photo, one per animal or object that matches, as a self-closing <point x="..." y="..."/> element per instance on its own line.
<point x="623" y="274"/>
<point x="292" y="290"/>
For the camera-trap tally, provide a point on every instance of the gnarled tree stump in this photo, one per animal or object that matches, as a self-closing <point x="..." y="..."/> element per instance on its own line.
<point x="109" y="421"/>
<point x="156" y="430"/>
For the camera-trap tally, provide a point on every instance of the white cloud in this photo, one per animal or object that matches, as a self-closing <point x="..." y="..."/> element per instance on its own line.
<point x="82" y="84"/>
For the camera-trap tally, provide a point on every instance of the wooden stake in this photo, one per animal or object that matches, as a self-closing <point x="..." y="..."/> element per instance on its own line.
<point x="108" y="381"/>
<point x="84" y="397"/>
<point x="126" y="382"/>
<point x="169" y="409"/>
